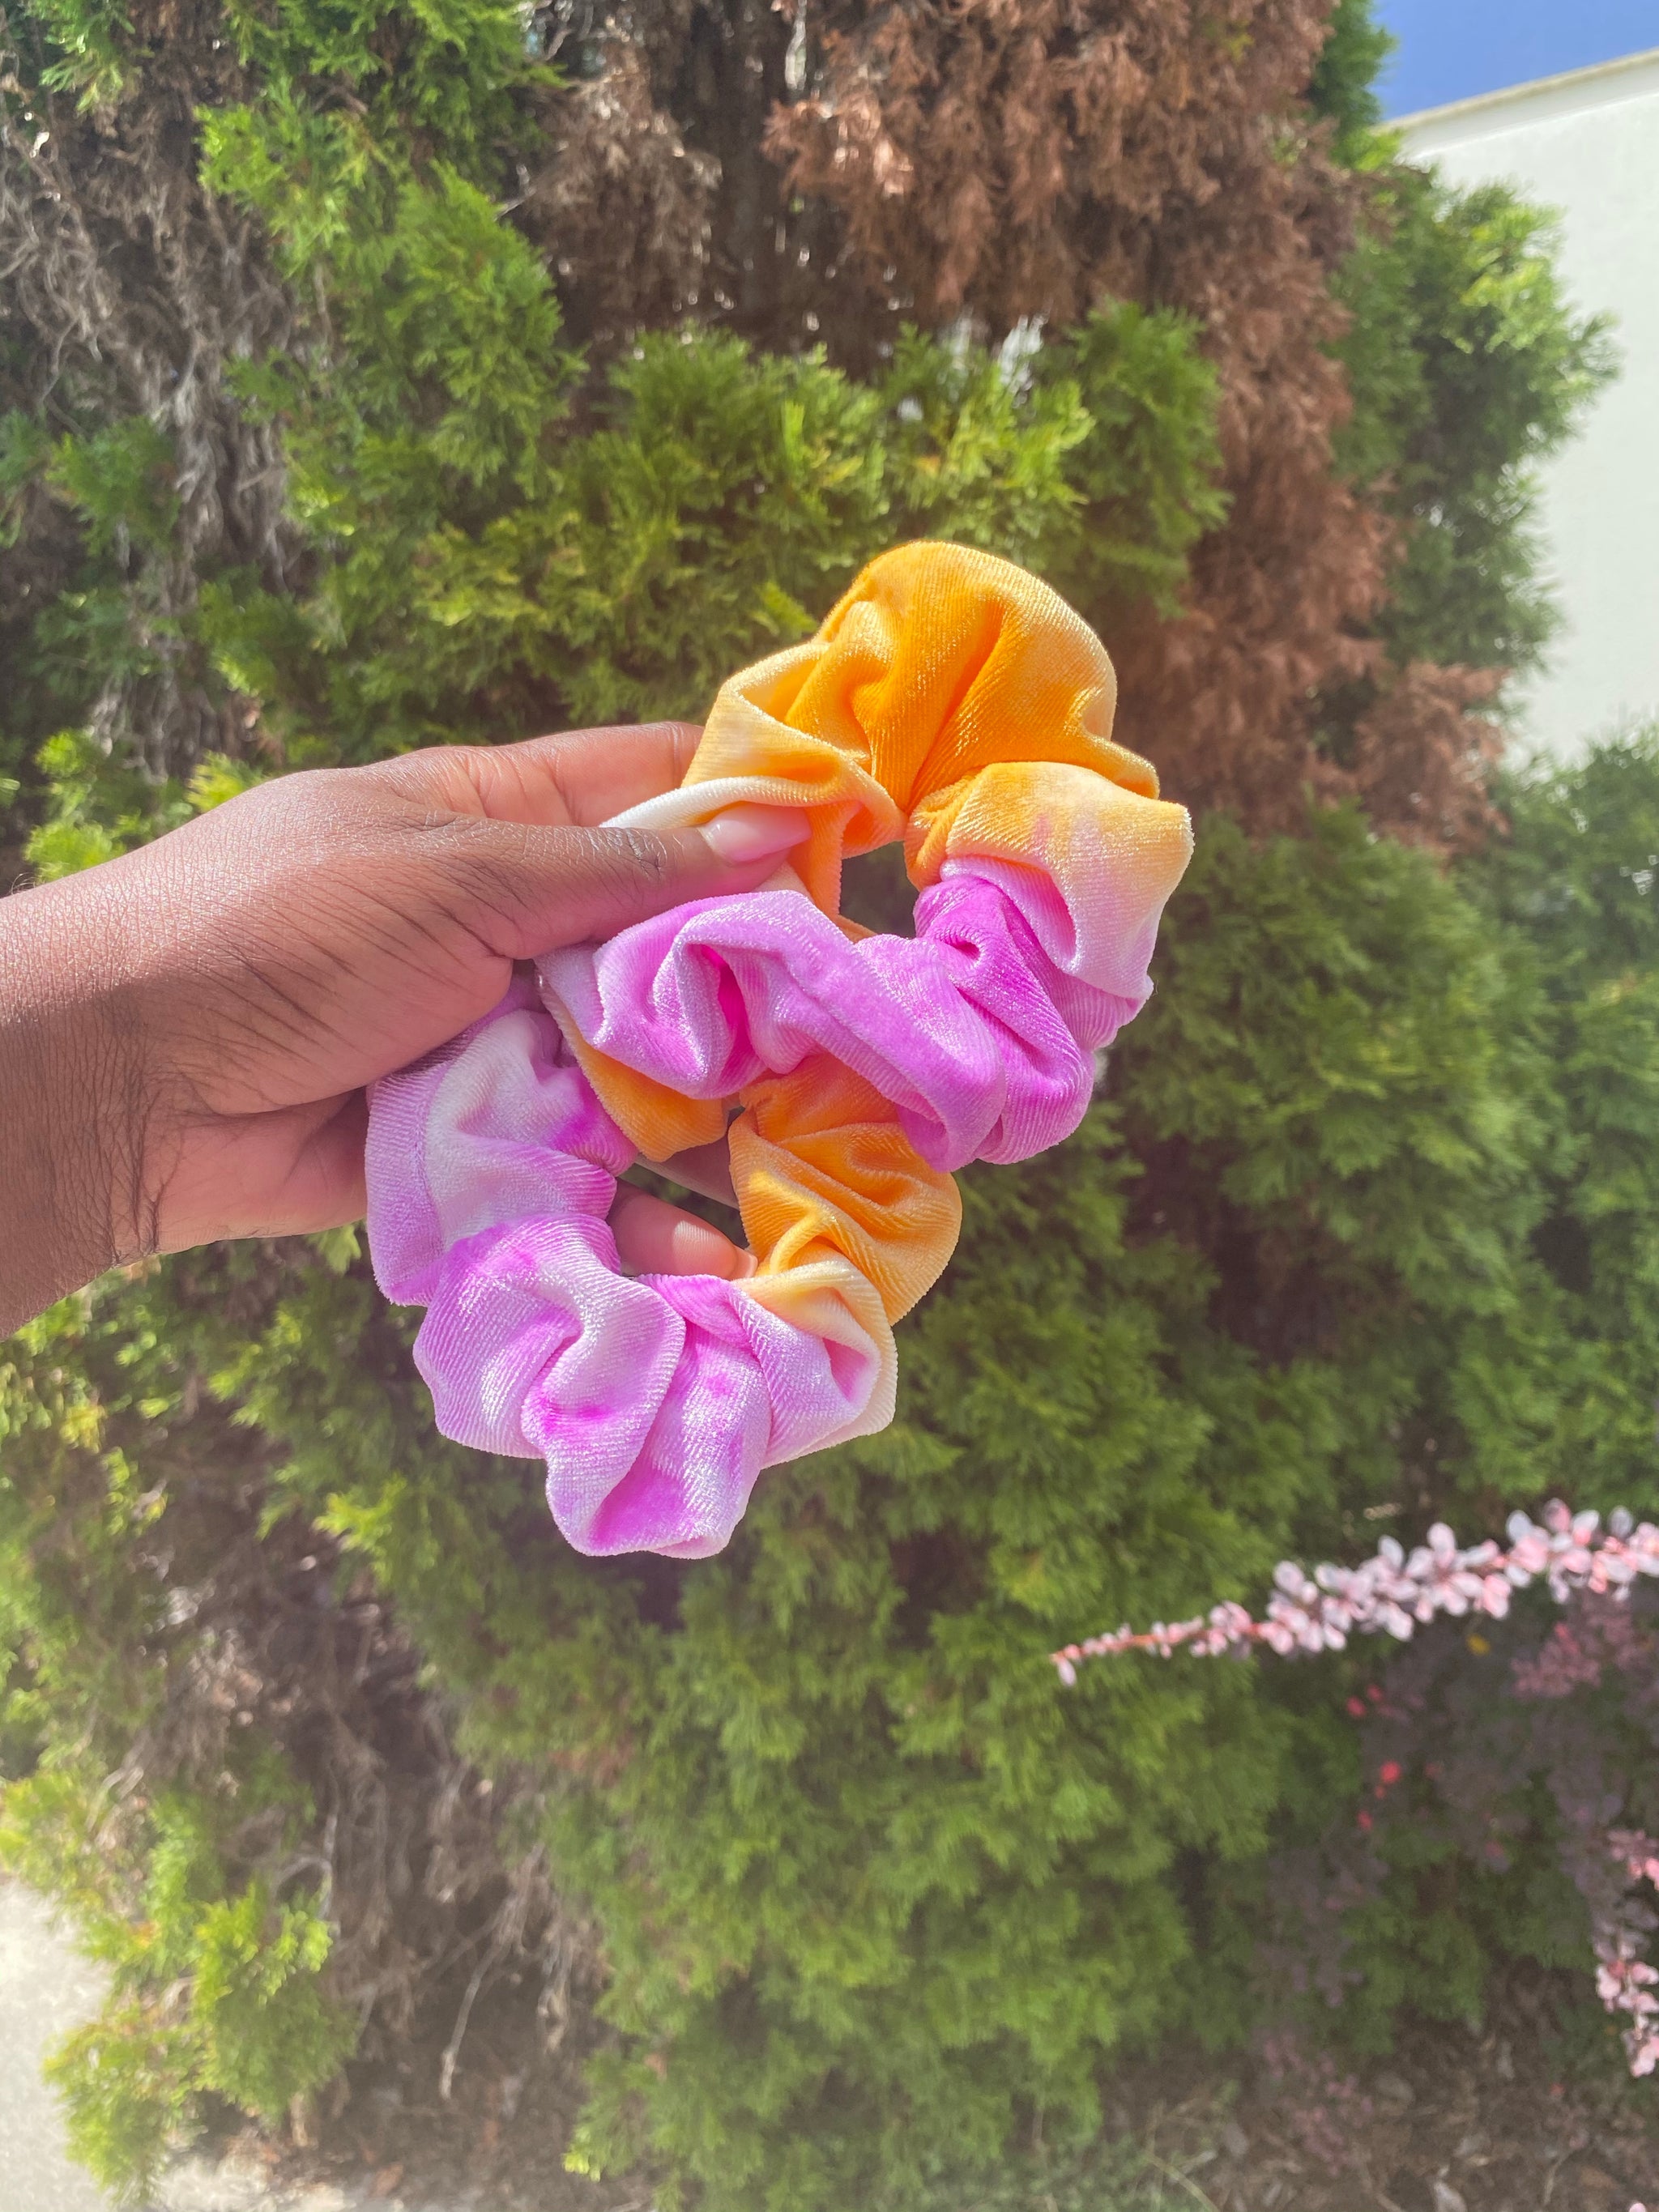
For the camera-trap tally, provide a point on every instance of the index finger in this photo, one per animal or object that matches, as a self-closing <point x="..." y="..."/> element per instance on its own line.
<point x="576" y="778"/>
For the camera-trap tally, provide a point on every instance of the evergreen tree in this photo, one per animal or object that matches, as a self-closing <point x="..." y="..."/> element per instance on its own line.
<point x="380" y="376"/>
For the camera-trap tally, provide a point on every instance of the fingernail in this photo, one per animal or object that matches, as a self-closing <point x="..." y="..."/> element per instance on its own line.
<point x="754" y="833"/>
<point x="735" y="1264"/>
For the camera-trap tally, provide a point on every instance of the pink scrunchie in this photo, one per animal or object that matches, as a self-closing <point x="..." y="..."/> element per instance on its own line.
<point x="657" y="1401"/>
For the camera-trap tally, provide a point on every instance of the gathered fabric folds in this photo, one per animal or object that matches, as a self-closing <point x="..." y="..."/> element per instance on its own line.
<point x="952" y="702"/>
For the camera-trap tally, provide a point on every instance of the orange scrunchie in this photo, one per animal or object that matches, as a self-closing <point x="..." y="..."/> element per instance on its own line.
<point x="953" y="700"/>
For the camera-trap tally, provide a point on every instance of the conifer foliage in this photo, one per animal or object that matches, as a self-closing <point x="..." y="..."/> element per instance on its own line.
<point x="1018" y="164"/>
<point x="374" y="375"/>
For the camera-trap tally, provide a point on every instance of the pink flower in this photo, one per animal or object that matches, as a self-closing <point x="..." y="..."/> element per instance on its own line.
<point x="1390" y="1593"/>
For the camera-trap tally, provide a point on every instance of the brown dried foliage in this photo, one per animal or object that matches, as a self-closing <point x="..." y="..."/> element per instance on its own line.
<point x="659" y="197"/>
<point x="1025" y="158"/>
<point x="625" y="209"/>
<point x="1423" y="758"/>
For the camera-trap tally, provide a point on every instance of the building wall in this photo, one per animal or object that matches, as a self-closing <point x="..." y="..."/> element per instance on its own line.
<point x="1587" y="145"/>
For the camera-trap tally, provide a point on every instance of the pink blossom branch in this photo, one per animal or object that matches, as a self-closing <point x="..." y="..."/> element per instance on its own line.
<point x="1624" y="1979"/>
<point x="1395" y="1590"/>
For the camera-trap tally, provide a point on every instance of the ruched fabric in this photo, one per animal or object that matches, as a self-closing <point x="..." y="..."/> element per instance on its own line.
<point x="950" y="701"/>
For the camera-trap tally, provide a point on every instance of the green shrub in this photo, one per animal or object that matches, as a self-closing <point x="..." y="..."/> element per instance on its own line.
<point x="869" y="1888"/>
<point x="212" y="1987"/>
<point x="1359" y="1224"/>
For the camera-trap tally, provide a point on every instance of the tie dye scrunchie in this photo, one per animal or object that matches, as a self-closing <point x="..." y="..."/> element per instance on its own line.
<point x="950" y="700"/>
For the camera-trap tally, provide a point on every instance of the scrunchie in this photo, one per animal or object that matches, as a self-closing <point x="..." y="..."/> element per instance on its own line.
<point x="950" y="700"/>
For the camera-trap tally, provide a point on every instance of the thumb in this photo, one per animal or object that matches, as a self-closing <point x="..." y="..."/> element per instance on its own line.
<point x="526" y="888"/>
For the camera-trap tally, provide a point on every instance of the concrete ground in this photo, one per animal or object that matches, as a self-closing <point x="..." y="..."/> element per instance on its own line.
<point x="46" y="1989"/>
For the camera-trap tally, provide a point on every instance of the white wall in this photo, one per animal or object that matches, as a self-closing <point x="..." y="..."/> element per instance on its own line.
<point x="1587" y="145"/>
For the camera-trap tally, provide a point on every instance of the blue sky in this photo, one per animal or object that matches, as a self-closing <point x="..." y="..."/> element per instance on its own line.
<point x="1452" y="49"/>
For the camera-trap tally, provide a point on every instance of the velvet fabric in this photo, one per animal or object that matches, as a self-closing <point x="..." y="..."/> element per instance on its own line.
<point x="949" y="700"/>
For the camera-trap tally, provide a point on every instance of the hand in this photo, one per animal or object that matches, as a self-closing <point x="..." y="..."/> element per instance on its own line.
<point x="186" y="1031"/>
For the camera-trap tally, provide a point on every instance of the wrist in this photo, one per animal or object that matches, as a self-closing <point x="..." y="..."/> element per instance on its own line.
<point x="72" y="1102"/>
